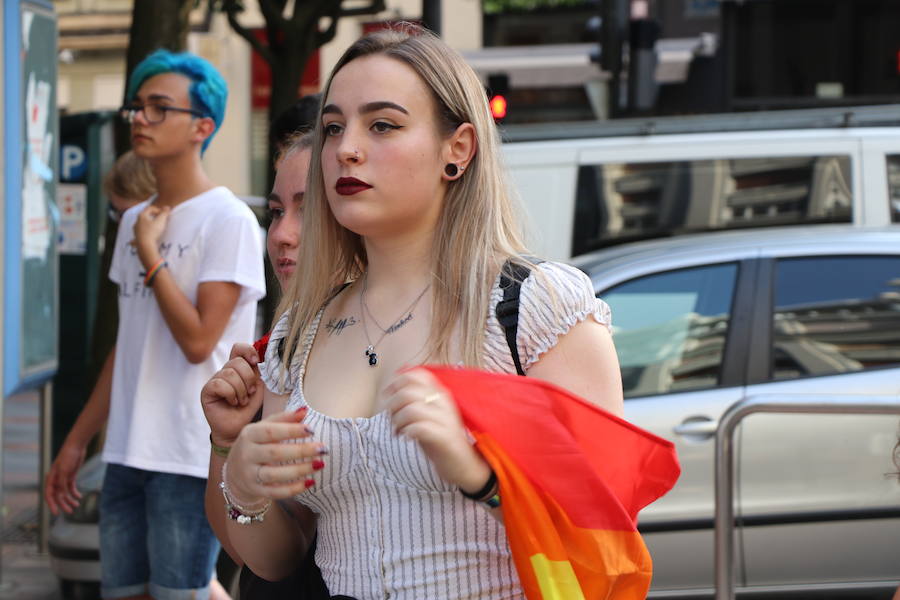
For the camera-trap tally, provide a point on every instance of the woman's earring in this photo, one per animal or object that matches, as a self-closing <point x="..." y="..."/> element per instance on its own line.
<point x="452" y="170"/>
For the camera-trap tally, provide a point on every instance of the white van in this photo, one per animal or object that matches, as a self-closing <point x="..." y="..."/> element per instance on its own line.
<point x="585" y="186"/>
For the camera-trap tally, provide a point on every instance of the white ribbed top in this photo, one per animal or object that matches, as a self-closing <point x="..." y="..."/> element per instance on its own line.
<point x="388" y="526"/>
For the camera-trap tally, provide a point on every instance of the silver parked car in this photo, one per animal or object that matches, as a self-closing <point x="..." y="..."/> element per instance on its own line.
<point x="701" y="322"/>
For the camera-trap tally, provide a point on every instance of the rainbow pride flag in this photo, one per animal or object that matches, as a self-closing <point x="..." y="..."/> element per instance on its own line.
<point x="572" y="480"/>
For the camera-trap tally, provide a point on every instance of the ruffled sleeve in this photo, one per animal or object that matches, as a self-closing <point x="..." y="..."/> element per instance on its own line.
<point x="551" y="302"/>
<point x="271" y="370"/>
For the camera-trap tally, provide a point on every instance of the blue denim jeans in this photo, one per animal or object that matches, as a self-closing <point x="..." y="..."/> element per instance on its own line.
<point x="154" y="536"/>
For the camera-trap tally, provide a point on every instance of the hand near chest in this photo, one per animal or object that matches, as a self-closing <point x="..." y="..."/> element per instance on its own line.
<point x="233" y="395"/>
<point x="148" y="229"/>
<point x="419" y="408"/>
<point x="423" y="410"/>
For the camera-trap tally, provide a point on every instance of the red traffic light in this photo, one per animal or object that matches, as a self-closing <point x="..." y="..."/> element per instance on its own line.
<point x="498" y="106"/>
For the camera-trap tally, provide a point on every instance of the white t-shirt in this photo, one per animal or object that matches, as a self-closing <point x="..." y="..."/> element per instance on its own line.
<point x="156" y="422"/>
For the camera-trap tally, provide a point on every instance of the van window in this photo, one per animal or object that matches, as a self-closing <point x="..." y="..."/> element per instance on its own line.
<point x="617" y="202"/>
<point x="835" y="315"/>
<point x="893" y="173"/>
<point x="669" y="328"/>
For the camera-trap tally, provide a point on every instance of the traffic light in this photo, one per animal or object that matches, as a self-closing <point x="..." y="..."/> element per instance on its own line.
<point x="498" y="107"/>
<point x="498" y="90"/>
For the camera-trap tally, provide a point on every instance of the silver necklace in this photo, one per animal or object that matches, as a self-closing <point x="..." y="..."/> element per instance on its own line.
<point x="397" y="323"/>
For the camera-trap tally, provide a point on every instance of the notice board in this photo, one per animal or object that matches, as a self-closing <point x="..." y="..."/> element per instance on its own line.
<point x="30" y="283"/>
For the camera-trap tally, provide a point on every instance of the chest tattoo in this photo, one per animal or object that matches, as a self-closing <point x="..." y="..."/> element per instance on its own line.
<point x="399" y="324"/>
<point x="336" y="326"/>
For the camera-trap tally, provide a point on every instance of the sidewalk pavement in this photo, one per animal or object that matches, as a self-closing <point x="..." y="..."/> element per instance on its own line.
<point x="24" y="573"/>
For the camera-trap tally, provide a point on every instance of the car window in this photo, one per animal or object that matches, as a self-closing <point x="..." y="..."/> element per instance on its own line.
<point x="669" y="328"/>
<point x="835" y="315"/>
<point x="893" y="173"/>
<point x="617" y="202"/>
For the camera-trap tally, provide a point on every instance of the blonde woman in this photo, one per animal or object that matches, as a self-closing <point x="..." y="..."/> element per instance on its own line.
<point x="285" y="216"/>
<point x="407" y="225"/>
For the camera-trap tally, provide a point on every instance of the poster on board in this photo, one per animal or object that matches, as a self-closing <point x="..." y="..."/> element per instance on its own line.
<point x="71" y="198"/>
<point x="39" y="217"/>
<point x="36" y="225"/>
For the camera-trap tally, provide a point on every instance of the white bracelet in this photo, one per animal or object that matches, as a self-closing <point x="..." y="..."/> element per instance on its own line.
<point x="236" y="512"/>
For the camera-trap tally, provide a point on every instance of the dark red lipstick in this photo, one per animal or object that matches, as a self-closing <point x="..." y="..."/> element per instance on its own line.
<point x="347" y="186"/>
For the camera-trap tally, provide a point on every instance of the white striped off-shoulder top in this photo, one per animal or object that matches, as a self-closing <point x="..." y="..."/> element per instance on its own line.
<point x="388" y="526"/>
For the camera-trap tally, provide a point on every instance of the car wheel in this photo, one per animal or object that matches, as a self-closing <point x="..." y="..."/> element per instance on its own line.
<point x="79" y="590"/>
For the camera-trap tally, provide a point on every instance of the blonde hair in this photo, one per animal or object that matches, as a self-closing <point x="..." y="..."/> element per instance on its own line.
<point x="477" y="229"/>
<point x="130" y="178"/>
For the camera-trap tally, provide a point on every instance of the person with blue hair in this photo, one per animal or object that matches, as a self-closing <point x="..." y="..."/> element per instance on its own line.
<point x="189" y="265"/>
<point x="208" y="91"/>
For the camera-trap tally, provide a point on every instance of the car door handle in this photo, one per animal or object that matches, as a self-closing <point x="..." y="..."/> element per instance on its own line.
<point x="697" y="426"/>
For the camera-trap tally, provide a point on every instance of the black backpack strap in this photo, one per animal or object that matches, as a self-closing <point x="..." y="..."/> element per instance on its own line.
<point x="507" y="310"/>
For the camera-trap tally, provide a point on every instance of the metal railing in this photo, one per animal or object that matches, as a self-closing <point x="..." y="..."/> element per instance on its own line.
<point x="724" y="479"/>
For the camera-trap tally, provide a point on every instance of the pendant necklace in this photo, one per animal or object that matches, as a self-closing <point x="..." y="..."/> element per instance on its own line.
<point x="397" y="324"/>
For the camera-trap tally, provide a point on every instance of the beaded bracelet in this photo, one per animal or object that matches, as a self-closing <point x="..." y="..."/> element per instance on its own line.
<point x="152" y="272"/>
<point x="236" y="512"/>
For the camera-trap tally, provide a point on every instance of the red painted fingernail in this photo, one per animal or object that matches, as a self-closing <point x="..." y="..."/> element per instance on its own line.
<point x="318" y="464"/>
<point x="300" y="410"/>
<point x="310" y="482"/>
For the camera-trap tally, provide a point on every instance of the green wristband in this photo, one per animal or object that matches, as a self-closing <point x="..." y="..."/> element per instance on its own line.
<point x="219" y="450"/>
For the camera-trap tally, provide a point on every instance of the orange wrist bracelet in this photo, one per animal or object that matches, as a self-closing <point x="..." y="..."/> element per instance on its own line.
<point x="152" y="271"/>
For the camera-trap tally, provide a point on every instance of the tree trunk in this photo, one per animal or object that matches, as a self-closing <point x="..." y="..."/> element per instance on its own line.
<point x="287" y="74"/>
<point x="286" y="80"/>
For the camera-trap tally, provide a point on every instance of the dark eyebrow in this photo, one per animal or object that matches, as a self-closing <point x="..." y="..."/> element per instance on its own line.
<point x="381" y="105"/>
<point x="298" y="197"/>
<point x="273" y="197"/>
<point x="366" y="108"/>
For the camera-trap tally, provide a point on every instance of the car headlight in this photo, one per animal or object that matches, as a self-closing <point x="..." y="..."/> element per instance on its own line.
<point x="88" y="510"/>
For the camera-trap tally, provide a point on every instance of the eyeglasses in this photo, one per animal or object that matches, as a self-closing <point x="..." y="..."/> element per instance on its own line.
<point x="153" y="113"/>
